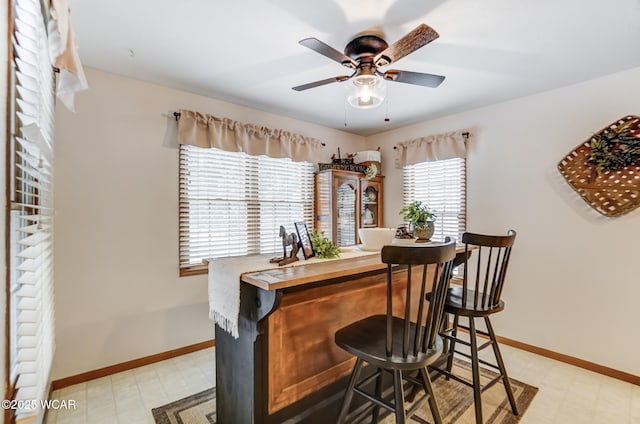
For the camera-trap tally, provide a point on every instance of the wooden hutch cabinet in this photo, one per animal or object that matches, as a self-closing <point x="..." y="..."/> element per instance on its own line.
<point x="346" y="201"/>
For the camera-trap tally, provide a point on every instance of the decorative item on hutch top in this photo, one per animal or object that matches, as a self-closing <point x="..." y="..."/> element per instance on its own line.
<point x="343" y="164"/>
<point x="605" y="169"/>
<point x="371" y="159"/>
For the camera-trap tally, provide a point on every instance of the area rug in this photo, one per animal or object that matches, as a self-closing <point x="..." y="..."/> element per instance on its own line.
<point x="195" y="409"/>
<point x="455" y="402"/>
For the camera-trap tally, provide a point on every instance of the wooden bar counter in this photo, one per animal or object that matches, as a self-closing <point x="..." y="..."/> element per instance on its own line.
<point x="285" y="366"/>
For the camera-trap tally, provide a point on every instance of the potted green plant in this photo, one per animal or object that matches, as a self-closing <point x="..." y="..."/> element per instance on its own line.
<point x="323" y="247"/>
<point x="420" y="219"/>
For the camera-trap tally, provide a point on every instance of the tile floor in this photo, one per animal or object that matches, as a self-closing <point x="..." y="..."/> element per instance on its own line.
<point x="567" y="395"/>
<point x="128" y="397"/>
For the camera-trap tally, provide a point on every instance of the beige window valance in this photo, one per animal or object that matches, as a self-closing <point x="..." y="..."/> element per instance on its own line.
<point x="205" y="130"/>
<point x="433" y="147"/>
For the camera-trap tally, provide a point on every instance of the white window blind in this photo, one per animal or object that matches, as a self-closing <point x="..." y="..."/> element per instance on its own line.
<point x="442" y="186"/>
<point x="346" y="199"/>
<point x="31" y="228"/>
<point x="232" y="204"/>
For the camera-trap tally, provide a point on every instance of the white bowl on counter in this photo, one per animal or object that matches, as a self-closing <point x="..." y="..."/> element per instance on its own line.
<point x="374" y="238"/>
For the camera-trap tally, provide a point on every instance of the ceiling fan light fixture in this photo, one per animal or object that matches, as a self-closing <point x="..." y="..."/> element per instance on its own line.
<point x="366" y="91"/>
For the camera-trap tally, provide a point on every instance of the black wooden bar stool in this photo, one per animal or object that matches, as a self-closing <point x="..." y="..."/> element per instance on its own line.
<point x="403" y="344"/>
<point x="479" y="297"/>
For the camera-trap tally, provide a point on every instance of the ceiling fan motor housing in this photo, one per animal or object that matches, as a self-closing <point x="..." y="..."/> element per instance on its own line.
<point x="365" y="47"/>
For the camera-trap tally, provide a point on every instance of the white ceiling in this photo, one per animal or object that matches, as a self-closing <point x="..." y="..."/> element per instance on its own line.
<point x="247" y="52"/>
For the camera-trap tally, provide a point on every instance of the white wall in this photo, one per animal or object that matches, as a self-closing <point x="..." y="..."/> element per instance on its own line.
<point x="118" y="293"/>
<point x="573" y="283"/>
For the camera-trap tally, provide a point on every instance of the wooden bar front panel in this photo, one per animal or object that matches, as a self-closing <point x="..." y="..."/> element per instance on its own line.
<point x="303" y="356"/>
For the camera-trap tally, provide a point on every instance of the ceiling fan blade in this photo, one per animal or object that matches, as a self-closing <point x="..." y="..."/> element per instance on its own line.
<point x="328" y="51"/>
<point x="321" y="82"/>
<point x="420" y="36"/>
<point x="416" y="78"/>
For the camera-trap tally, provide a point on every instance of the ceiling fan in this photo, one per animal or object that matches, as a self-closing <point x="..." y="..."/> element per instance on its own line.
<point x="365" y="54"/>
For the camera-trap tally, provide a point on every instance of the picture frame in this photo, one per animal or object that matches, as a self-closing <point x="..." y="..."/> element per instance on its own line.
<point x="304" y="240"/>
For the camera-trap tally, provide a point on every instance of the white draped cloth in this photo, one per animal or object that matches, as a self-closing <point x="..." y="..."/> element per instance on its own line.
<point x="224" y="282"/>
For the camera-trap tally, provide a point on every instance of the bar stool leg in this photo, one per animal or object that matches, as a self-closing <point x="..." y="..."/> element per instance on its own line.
<point x="503" y="370"/>
<point x="348" y="394"/>
<point x="426" y="381"/>
<point x="450" y="353"/>
<point x="376" y="408"/>
<point x="475" y="370"/>
<point x="401" y="414"/>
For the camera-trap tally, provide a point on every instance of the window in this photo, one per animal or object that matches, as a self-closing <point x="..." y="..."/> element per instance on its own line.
<point x="442" y="186"/>
<point x="30" y="233"/>
<point x="232" y="204"/>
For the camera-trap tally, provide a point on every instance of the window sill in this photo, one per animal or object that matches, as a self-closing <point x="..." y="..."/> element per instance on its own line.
<point x="194" y="270"/>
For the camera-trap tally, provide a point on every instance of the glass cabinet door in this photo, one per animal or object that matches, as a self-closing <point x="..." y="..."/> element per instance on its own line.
<point x="371" y="202"/>
<point x="346" y="201"/>
<point x="370" y="207"/>
<point x="346" y="223"/>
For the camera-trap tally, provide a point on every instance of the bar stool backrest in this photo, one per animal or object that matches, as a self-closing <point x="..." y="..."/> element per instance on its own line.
<point x="485" y="269"/>
<point x="436" y="263"/>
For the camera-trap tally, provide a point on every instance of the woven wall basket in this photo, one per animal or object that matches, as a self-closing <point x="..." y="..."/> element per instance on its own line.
<point x="612" y="192"/>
